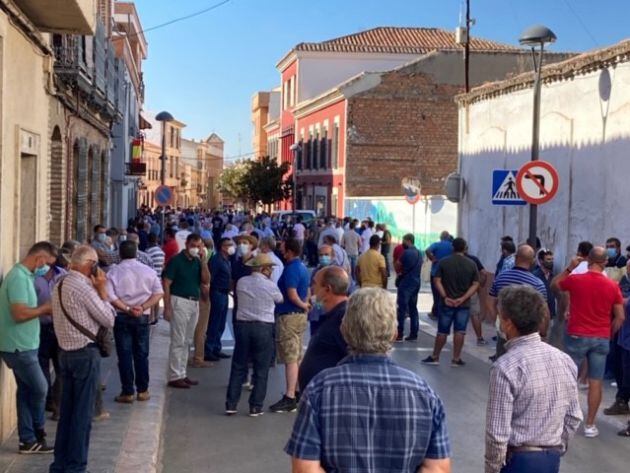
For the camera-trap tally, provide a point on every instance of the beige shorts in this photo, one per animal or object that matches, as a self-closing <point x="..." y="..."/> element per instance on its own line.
<point x="290" y="330"/>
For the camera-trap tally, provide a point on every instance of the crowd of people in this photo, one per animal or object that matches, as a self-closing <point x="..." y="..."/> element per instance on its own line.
<point x="358" y="410"/>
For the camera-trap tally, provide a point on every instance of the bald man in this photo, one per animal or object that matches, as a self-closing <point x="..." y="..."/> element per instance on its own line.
<point x="327" y="347"/>
<point x="592" y="298"/>
<point x="520" y="274"/>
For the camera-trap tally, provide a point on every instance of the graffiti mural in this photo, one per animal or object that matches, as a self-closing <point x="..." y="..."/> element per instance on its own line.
<point x="432" y="215"/>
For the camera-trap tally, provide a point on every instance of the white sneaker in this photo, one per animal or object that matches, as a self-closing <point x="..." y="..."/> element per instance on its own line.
<point x="590" y="431"/>
<point x="583" y="386"/>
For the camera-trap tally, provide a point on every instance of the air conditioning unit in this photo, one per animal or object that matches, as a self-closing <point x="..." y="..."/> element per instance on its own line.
<point x="461" y="35"/>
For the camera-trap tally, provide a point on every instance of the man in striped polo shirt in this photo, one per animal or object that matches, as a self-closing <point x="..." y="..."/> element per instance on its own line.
<point x="520" y="274"/>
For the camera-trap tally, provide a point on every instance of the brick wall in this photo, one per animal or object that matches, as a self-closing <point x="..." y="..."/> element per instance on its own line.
<point x="406" y="126"/>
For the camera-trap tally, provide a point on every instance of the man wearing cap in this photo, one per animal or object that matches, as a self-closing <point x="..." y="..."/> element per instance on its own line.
<point x="253" y="333"/>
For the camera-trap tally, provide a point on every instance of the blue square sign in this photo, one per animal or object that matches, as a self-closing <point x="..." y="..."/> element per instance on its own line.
<point x="504" y="190"/>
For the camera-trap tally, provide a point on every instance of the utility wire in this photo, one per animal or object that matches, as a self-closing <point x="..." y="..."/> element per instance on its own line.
<point x="181" y="18"/>
<point x="579" y="19"/>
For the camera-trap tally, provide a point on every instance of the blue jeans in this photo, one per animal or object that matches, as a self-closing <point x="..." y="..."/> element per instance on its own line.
<point x="407" y="303"/>
<point x="595" y="350"/>
<point x="253" y="342"/>
<point x="218" y="318"/>
<point x="455" y="316"/>
<point x="31" y="393"/>
<point x="529" y="462"/>
<point x="132" y="347"/>
<point x="49" y="352"/>
<point x="80" y="372"/>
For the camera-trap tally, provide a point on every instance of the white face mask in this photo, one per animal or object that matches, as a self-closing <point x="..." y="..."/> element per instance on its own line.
<point x="244" y="249"/>
<point x="231" y="250"/>
<point x="194" y="252"/>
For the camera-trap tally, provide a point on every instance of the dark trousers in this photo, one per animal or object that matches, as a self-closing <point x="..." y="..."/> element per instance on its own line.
<point x="49" y="353"/>
<point x="437" y="299"/>
<point x="216" y="326"/>
<point x="132" y="347"/>
<point x="310" y="247"/>
<point x="530" y="462"/>
<point x="385" y="252"/>
<point x="407" y="303"/>
<point x="80" y="371"/>
<point x="30" y="395"/>
<point x="253" y="342"/>
<point x="621" y="362"/>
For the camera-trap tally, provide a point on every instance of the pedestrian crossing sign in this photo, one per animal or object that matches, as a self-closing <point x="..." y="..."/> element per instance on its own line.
<point x="504" y="190"/>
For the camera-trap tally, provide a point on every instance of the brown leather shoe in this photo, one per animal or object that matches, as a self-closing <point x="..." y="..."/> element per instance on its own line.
<point x="124" y="399"/>
<point x="201" y="364"/>
<point x="179" y="383"/>
<point x="145" y="396"/>
<point x="191" y="382"/>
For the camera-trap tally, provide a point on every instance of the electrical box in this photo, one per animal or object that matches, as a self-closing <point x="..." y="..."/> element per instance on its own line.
<point x="454" y="187"/>
<point x="461" y="35"/>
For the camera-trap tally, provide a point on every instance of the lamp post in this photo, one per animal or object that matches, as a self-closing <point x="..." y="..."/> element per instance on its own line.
<point x="163" y="117"/>
<point x="536" y="37"/>
<point x="296" y="148"/>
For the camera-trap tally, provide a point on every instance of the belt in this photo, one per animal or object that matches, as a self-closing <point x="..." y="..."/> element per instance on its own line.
<point x="290" y="313"/>
<point x="190" y="298"/>
<point x="89" y="345"/>
<point x="253" y="322"/>
<point x="533" y="448"/>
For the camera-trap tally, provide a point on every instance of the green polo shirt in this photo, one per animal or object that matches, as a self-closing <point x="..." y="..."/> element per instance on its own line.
<point x="185" y="275"/>
<point x="18" y="288"/>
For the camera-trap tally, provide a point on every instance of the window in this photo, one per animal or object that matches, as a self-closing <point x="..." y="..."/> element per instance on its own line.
<point x="309" y="150"/>
<point x="299" y="152"/>
<point x="324" y="150"/>
<point x="292" y="91"/>
<point x="316" y="150"/>
<point x="334" y="152"/>
<point x="285" y="95"/>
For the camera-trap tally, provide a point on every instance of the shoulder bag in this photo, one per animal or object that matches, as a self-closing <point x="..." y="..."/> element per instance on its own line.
<point x="102" y="338"/>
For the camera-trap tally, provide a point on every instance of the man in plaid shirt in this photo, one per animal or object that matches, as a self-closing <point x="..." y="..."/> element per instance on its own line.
<point x="368" y="414"/>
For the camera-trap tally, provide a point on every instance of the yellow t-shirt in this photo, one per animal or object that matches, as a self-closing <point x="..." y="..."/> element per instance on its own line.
<point x="370" y="264"/>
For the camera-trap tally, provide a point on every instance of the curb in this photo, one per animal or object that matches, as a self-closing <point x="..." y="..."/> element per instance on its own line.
<point x="481" y="354"/>
<point x="141" y="442"/>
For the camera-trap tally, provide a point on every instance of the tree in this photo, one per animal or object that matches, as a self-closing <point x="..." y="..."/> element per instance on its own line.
<point x="265" y="181"/>
<point x="232" y="181"/>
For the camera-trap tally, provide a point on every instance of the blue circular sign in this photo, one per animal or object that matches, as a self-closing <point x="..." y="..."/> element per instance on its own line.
<point x="163" y="195"/>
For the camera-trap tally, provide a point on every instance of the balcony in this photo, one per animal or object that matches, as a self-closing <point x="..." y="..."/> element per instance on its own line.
<point x="61" y="16"/>
<point x="135" y="168"/>
<point x="71" y="61"/>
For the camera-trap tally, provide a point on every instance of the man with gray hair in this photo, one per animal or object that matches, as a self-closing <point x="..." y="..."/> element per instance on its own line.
<point x="533" y="407"/>
<point x="330" y="432"/>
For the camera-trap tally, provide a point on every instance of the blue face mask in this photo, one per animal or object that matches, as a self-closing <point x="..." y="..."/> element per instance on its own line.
<point x="324" y="260"/>
<point x="101" y="237"/>
<point x="611" y="252"/>
<point x="41" y="270"/>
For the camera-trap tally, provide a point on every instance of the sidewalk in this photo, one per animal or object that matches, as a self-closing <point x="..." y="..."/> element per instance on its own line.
<point x="129" y="440"/>
<point x="482" y="353"/>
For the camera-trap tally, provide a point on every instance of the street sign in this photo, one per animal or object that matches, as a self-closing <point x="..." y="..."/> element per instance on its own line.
<point x="504" y="190"/>
<point x="411" y="187"/>
<point x="537" y="182"/>
<point x="163" y="195"/>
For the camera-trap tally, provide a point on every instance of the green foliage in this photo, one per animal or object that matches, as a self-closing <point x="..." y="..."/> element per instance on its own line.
<point x="265" y="181"/>
<point x="232" y="181"/>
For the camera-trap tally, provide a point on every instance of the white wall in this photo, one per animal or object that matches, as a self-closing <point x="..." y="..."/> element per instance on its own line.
<point x="319" y="73"/>
<point x="585" y="135"/>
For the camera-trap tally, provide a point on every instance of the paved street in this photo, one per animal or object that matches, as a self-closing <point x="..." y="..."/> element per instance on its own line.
<point x="198" y="437"/>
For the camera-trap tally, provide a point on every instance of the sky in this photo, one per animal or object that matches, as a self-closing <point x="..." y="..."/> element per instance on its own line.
<point x="204" y="70"/>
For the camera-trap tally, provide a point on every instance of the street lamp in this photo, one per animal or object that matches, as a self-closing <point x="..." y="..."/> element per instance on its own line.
<point x="536" y="37"/>
<point x="163" y="117"/>
<point x="295" y="148"/>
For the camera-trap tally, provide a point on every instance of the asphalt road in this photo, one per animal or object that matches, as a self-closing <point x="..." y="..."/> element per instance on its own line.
<point x="198" y="437"/>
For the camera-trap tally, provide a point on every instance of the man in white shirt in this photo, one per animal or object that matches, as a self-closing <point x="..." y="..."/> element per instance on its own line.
<point x="266" y="246"/>
<point x="257" y="299"/>
<point x="366" y="235"/>
<point x="299" y="231"/>
<point x="351" y="242"/>
<point x="329" y="230"/>
<point x="182" y="234"/>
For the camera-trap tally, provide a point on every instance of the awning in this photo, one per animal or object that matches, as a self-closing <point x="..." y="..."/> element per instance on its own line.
<point x="144" y="123"/>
